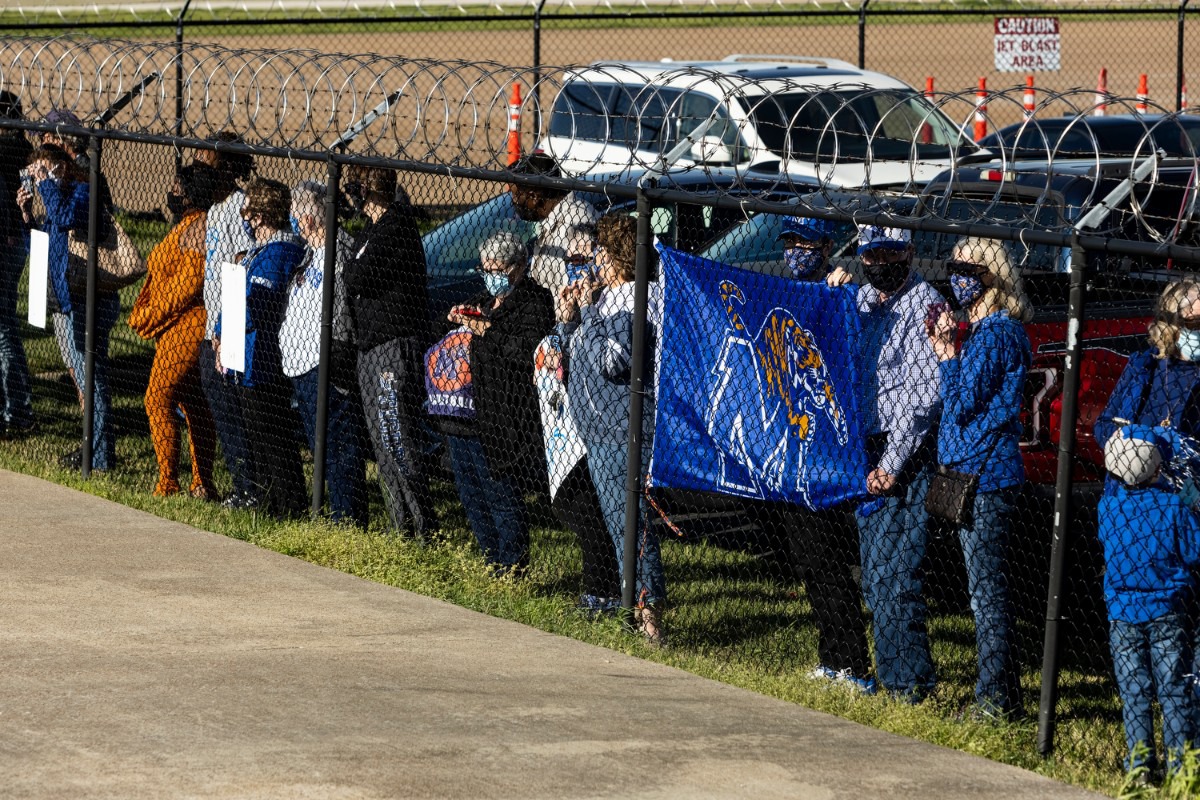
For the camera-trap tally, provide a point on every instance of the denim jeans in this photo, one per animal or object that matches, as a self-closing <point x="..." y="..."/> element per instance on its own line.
<point x="892" y="541"/>
<point x="494" y="508"/>
<point x="607" y="464"/>
<point x="1147" y="656"/>
<point x="985" y="552"/>
<point x="104" y="435"/>
<point x="222" y="398"/>
<point x="345" y="462"/>
<point x="17" y="407"/>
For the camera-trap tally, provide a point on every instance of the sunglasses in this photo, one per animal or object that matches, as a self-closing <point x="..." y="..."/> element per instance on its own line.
<point x="966" y="268"/>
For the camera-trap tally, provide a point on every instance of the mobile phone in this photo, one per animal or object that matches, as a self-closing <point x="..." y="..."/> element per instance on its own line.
<point x="26" y="181"/>
<point x="470" y="311"/>
<point x="933" y="313"/>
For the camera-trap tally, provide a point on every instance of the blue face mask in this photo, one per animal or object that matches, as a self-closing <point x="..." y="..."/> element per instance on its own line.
<point x="803" y="263"/>
<point x="295" y="223"/>
<point x="497" y="284"/>
<point x="966" y="288"/>
<point x="1189" y="345"/>
<point x="249" y="229"/>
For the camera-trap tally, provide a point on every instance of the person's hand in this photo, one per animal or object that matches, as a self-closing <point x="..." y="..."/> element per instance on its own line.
<point x="567" y="308"/>
<point x="880" y="482"/>
<point x="217" y="353"/>
<point x="25" y="203"/>
<point x="839" y="277"/>
<point x="942" y="336"/>
<point x="477" y="325"/>
<point x="588" y="291"/>
<point x="39" y="171"/>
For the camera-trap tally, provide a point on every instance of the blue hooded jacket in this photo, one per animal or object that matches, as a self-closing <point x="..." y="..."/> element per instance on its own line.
<point x="1151" y="542"/>
<point x="982" y="392"/>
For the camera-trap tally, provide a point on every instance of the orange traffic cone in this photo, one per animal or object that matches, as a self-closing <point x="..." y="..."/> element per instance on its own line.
<point x="1030" y="97"/>
<point x="1143" y="93"/>
<point x="981" y="110"/>
<point x="1101" y="94"/>
<point x="926" y="131"/>
<point x="514" y="125"/>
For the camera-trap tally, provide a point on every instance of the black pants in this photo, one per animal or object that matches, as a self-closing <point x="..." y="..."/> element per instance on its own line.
<point x="392" y="382"/>
<point x="272" y="448"/>
<point x="824" y="547"/>
<point x="578" y="508"/>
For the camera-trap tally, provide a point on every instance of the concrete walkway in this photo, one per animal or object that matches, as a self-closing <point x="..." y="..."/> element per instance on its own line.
<point x="141" y="658"/>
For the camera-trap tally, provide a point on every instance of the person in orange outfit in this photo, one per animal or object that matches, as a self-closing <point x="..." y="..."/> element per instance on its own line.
<point x="170" y="310"/>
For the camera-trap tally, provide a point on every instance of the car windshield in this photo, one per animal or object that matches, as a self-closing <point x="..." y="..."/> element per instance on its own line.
<point x="845" y="123"/>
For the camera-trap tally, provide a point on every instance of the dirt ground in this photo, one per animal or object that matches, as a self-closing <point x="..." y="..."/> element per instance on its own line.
<point x="956" y="55"/>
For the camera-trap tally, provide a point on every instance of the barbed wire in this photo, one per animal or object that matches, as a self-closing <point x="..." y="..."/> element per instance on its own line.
<point x="817" y="134"/>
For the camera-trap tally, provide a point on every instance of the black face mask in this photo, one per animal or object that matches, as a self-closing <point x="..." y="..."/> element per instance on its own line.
<point x="887" y="278"/>
<point x="176" y="204"/>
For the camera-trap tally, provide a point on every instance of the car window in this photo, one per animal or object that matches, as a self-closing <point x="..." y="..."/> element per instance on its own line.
<point x="819" y="124"/>
<point x="692" y="108"/>
<point x="581" y="111"/>
<point x="639" y="117"/>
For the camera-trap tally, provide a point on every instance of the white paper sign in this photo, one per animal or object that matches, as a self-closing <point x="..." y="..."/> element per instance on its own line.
<point x="1027" y="44"/>
<point x="39" y="276"/>
<point x="233" y="317"/>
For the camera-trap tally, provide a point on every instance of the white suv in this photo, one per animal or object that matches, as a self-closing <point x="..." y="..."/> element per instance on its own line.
<point x="813" y="117"/>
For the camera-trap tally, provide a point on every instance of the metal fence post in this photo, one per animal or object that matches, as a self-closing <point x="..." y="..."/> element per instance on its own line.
<point x="537" y="68"/>
<point x="1047" y="719"/>
<point x="637" y="388"/>
<point x="89" y="346"/>
<point x="179" y="80"/>
<point x="862" y="34"/>
<point x="325" y="365"/>
<point x="1179" y="55"/>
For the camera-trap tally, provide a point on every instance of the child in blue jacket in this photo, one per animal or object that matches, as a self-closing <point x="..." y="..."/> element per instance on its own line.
<point x="1151" y="540"/>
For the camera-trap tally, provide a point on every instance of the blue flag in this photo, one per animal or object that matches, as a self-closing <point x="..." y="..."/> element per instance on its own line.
<point x="758" y="382"/>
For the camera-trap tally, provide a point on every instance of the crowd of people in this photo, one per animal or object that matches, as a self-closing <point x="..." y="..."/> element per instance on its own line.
<point x="526" y="387"/>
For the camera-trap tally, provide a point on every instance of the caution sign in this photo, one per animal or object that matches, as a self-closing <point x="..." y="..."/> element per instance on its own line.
<point x="1027" y="44"/>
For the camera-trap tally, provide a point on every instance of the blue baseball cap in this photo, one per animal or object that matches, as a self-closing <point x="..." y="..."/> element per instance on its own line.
<point x="872" y="237"/>
<point x="808" y="228"/>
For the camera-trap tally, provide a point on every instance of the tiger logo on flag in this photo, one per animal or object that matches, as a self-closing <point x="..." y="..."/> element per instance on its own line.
<point x="772" y="389"/>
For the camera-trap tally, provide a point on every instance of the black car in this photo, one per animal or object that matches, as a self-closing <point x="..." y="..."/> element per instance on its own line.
<point x="1072" y="137"/>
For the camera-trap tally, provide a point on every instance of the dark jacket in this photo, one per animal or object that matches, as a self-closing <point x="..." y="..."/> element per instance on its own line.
<point x="14" y="155"/>
<point x="507" y="418"/>
<point x="385" y="282"/>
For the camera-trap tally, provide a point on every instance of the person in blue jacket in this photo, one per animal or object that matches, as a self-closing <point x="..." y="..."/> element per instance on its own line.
<point x="64" y="192"/>
<point x="263" y="391"/>
<point x="1151" y="545"/>
<point x="983" y="385"/>
<point x="1159" y="385"/>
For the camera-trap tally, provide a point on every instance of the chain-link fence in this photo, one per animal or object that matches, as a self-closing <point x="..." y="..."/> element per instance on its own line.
<point x="645" y="389"/>
<point x="1125" y="39"/>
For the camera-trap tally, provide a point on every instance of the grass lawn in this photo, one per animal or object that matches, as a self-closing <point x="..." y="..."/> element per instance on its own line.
<point x="735" y="617"/>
